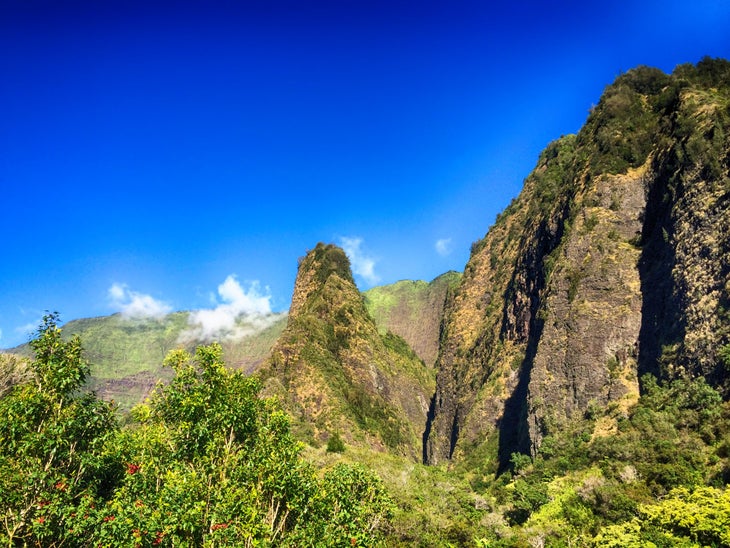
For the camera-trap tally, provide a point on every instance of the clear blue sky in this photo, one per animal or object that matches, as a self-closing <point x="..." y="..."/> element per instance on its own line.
<point x="150" y="151"/>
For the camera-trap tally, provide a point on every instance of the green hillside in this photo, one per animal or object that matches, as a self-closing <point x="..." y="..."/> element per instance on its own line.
<point x="127" y="355"/>
<point x="413" y="310"/>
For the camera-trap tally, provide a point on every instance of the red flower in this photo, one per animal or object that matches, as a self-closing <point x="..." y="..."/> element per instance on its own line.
<point x="218" y="526"/>
<point x="132" y="468"/>
<point x="60" y="486"/>
<point x="109" y="518"/>
<point x="41" y="520"/>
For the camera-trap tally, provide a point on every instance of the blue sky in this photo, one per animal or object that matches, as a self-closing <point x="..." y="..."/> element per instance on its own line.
<point x="161" y="157"/>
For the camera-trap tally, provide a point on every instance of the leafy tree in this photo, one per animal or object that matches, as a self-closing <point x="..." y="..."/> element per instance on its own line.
<point x="698" y="517"/>
<point x="210" y="462"/>
<point x="206" y="462"/>
<point x="352" y="508"/>
<point x="53" y="441"/>
<point x="519" y="462"/>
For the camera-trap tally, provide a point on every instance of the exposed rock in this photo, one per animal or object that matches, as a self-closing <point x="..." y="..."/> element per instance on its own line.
<point x="612" y="262"/>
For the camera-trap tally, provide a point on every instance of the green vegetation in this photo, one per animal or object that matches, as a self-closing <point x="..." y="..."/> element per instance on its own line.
<point x="206" y="462"/>
<point x="621" y="130"/>
<point x="211" y="459"/>
<point x="655" y="473"/>
<point x="335" y="444"/>
<point x="329" y="260"/>
<point x="128" y="346"/>
<point x="412" y="310"/>
<point x="624" y="479"/>
<point x="555" y="177"/>
<point x="126" y="355"/>
<point x="381" y="301"/>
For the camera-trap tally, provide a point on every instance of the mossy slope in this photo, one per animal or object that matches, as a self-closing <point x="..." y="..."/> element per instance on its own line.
<point x="413" y="310"/>
<point x="338" y="373"/>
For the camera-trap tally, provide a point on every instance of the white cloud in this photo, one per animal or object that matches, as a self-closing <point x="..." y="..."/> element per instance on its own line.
<point x="241" y="312"/>
<point x="28" y="329"/>
<point x="116" y="292"/>
<point x="362" y="265"/>
<point x="135" y="305"/>
<point x="443" y="246"/>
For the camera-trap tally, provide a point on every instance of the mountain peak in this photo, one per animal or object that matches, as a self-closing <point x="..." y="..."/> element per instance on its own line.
<point x="612" y="262"/>
<point x="315" y="269"/>
<point x="336" y="372"/>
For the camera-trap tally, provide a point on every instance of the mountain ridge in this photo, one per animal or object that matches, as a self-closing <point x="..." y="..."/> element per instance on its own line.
<point x="580" y="390"/>
<point x="126" y="355"/>
<point x="603" y="261"/>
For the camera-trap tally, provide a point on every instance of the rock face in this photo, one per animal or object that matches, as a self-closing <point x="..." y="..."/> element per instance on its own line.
<point x="336" y="373"/>
<point x="612" y="262"/>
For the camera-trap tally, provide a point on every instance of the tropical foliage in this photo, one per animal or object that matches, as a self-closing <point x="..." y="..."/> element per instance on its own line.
<point x="205" y="462"/>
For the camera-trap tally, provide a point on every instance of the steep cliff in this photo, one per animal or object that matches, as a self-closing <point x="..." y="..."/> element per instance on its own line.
<point x="413" y="310"/>
<point x="337" y="374"/>
<point x="612" y="262"/>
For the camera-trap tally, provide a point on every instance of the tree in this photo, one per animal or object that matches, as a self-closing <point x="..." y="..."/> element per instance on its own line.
<point x="205" y="462"/>
<point x="685" y="517"/>
<point x="52" y="441"/>
<point x="211" y="462"/>
<point x="335" y="444"/>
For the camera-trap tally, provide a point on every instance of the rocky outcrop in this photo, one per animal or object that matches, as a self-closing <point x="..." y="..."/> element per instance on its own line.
<point x="336" y="373"/>
<point x="612" y="262"/>
<point x="587" y="350"/>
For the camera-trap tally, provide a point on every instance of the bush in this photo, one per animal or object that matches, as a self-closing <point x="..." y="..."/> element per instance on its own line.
<point x="54" y="442"/>
<point x="335" y="444"/>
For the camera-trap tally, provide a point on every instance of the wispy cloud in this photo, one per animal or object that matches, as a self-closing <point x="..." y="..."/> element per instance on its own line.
<point x="133" y="305"/>
<point x="443" y="246"/>
<point x="362" y="265"/>
<point x="239" y="312"/>
<point x="24" y="333"/>
<point x="28" y="329"/>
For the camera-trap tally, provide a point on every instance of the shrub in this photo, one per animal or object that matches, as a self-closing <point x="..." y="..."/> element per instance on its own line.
<point x="335" y="444"/>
